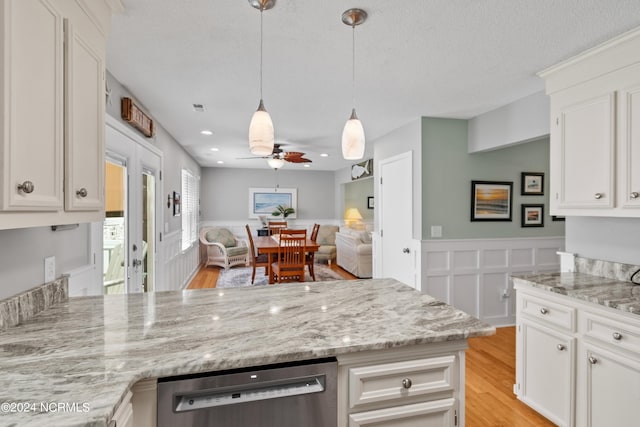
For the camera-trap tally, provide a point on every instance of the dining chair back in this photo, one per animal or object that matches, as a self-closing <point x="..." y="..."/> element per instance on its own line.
<point x="256" y="260"/>
<point x="274" y="227"/>
<point x="311" y="257"/>
<point x="289" y="267"/>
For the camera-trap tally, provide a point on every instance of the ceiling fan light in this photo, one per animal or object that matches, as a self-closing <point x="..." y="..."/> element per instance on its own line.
<point x="261" y="132"/>
<point x="353" y="139"/>
<point x="275" y="162"/>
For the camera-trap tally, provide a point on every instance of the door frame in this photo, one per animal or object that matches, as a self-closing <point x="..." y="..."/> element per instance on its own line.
<point x="96" y="239"/>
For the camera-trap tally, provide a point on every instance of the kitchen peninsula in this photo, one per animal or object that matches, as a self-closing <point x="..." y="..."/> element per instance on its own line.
<point x="92" y="350"/>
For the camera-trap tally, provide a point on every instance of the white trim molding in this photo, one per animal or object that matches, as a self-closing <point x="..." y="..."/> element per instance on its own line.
<point x="474" y="274"/>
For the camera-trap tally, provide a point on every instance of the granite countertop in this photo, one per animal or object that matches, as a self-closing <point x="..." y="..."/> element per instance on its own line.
<point x="617" y="294"/>
<point x="89" y="351"/>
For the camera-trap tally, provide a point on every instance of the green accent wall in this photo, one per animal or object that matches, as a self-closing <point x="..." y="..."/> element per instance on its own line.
<point x="356" y="194"/>
<point x="447" y="172"/>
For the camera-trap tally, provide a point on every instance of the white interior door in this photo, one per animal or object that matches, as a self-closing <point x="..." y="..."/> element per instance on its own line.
<point x="132" y="211"/>
<point x="397" y="257"/>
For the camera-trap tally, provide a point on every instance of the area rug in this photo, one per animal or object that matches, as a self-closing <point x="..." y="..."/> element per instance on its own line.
<point x="237" y="277"/>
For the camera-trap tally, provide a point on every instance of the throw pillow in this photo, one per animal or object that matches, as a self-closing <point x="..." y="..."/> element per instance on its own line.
<point x="222" y="236"/>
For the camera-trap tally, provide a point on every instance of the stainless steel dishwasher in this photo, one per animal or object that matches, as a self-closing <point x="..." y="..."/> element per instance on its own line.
<point x="285" y="395"/>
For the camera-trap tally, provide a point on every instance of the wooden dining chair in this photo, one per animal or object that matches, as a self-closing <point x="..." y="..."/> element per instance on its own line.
<point x="290" y="265"/>
<point x="274" y="227"/>
<point x="311" y="255"/>
<point x="261" y="260"/>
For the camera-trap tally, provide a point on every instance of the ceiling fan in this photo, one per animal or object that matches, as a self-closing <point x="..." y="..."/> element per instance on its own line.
<point x="279" y="153"/>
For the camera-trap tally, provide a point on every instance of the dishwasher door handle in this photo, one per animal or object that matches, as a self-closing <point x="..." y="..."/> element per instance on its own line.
<point x="248" y="393"/>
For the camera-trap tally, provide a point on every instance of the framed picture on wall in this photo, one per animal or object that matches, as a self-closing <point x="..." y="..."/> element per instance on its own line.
<point x="532" y="216"/>
<point x="491" y="200"/>
<point x="177" y="203"/>
<point x="264" y="201"/>
<point x="532" y="184"/>
<point x="370" y="204"/>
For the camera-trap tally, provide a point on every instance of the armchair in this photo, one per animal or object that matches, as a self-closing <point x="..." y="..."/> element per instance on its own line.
<point x="354" y="252"/>
<point x="223" y="248"/>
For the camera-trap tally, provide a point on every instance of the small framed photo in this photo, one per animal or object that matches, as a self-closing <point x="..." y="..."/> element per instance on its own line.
<point x="557" y="218"/>
<point x="532" y="184"/>
<point x="370" y="202"/>
<point x="532" y="215"/>
<point x="491" y="200"/>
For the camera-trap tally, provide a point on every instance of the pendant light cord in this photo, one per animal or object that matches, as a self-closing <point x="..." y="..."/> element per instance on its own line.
<point x="261" y="15"/>
<point x="353" y="66"/>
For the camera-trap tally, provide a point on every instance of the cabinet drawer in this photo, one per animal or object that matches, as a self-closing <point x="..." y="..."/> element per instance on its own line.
<point x="438" y="413"/>
<point x="401" y="380"/>
<point x="552" y="313"/>
<point x="612" y="333"/>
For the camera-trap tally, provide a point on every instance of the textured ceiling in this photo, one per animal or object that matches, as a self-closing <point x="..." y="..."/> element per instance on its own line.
<point x="438" y="58"/>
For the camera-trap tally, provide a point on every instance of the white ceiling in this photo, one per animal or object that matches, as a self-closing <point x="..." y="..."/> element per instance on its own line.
<point x="438" y="58"/>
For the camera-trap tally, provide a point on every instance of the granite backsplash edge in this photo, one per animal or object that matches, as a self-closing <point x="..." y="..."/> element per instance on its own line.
<point x="22" y="307"/>
<point x="608" y="269"/>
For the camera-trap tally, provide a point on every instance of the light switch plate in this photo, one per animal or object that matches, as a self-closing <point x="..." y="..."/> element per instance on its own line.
<point x="49" y="269"/>
<point x="436" y="231"/>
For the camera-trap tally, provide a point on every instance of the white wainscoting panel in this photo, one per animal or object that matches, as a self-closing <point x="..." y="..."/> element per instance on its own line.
<point x="473" y="274"/>
<point x="179" y="266"/>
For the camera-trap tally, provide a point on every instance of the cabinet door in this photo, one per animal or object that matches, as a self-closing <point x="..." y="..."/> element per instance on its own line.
<point x="84" y="123"/>
<point x="438" y="413"/>
<point x="545" y="372"/>
<point x="612" y="388"/>
<point x="32" y="106"/>
<point x="630" y="146"/>
<point x="586" y="136"/>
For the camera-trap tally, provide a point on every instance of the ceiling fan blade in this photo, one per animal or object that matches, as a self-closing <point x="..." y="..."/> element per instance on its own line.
<point x="249" y="158"/>
<point x="297" y="160"/>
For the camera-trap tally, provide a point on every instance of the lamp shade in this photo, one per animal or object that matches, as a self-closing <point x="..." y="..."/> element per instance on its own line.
<point x="261" y="137"/>
<point x="353" y="138"/>
<point x="352" y="214"/>
<point x="275" y="162"/>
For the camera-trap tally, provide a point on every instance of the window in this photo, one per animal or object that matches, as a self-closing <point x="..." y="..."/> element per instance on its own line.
<point x="190" y="193"/>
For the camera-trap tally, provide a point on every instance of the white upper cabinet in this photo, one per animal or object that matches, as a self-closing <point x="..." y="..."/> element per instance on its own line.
<point x="32" y="106"/>
<point x="52" y="117"/>
<point x="595" y="130"/>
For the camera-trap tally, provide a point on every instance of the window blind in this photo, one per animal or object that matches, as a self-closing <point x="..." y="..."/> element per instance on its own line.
<point x="190" y="192"/>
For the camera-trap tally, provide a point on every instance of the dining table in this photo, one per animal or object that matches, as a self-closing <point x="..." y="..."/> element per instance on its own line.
<point x="269" y="245"/>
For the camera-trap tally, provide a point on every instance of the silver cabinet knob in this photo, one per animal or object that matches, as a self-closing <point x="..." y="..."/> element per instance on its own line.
<point x="406" y="383"/>
<point x="598" y="196"/>
<point x="137" y="262"/>
<point x="634" y="195"/>
<point x="26" y="187"/>
<point x="544" y="311"/>
<point x="82" y="192"/>
<point x="561" y="347"/>
<point x="617" y="336"/>
<point x="405" y="250"/>
<point x="593" y="360"/>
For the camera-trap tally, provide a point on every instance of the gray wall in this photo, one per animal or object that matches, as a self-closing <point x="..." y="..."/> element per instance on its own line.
<point x="175" y="157"/>
<point x="448" y="170"/>
<point x="355" y="196"/>
<point x="224" y="192"/>
<point x="610" y="239"/>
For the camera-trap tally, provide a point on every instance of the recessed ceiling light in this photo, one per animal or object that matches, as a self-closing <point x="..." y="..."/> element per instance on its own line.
<point x="215" y="149"/>
<point x="307" y="166"/>
<point x="206" y="132"/>
<point x="220" y="162"/>
<point x="324" y="155"/>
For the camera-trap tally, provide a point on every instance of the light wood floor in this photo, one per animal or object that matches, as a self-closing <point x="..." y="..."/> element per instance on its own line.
<point x="490" y="372"/>
<point x="490" y="375"/>
<point x="207" y="277"/>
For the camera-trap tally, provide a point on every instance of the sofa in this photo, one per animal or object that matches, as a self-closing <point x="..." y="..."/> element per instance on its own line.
<point x="354" y="252"/>
<point x="326" y="239"/>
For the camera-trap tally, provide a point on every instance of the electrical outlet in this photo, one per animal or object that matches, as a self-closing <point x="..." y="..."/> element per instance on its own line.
<point x="49" y="269"/>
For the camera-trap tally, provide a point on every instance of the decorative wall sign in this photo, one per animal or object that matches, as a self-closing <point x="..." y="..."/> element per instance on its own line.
<point x="362" y="170"/>
<point x="491" y="200"/>
<point x="133" y="115"/>
<point x="532" y="184"/>
<point x="263" y="201"/>
<point x="532" y="215"/>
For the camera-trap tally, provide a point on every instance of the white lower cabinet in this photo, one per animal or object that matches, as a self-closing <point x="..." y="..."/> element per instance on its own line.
<point x="584" y="374"/>
<point x="547" y="371"/>
<point x="421" y="386"/>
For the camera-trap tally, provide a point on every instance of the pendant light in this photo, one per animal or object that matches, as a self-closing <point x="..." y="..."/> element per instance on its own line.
<point x="353" y="133"/>
<point x="261" y="137"/>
